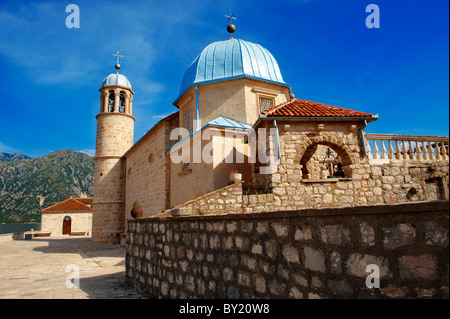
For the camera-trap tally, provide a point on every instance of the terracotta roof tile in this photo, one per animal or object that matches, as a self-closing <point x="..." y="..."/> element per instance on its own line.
<point x="68" y="204"/>
<point x="303" y="108"/>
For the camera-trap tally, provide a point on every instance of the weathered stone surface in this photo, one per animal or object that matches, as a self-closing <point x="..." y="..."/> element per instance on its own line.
<point x="272" y="249"/>
<point x="290" y="254"/>
<point x="367" y="234"/>
<point x="294" y="293"/>
<point x="356" y="265"/>
<point x="420" y="267"/>
<point x="228" y="274"/>
<point x="340" y="287"/>
<point x="276" y="287"/>
<point x="436" y="235"/>
<point x="300" y="280"/>
<point x="398" y="236"/>
<point x="280" y="229"/>
<point x="303" y="234"/>
<point x="260" y="284"/>
<point x="394" y="292"/>
<point x="335" y="235"/>
<point x="335" y="263"/>
<point x="314" y="259"/>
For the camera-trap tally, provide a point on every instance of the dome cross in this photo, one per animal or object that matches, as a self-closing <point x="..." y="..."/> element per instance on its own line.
<point x="230" y="17"/>
<point x="231" y="28"/>
<point x="118" y="56"/>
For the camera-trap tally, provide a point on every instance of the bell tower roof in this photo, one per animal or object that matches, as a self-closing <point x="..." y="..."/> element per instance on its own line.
<point x="116" y="79"/>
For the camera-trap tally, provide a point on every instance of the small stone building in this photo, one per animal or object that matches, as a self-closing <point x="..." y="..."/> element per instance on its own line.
<point x="69" y="217"/>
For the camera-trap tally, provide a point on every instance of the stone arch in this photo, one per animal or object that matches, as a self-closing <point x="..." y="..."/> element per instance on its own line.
<point x="307" y="149"/>
<point x="122" y="98"/>
<point x="111" y="101"/>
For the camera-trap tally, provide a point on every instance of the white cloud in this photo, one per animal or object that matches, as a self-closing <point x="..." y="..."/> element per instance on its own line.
<point x="160" y="117"/>
<point x="7" y="149"/>
<point x="90" y="152"/>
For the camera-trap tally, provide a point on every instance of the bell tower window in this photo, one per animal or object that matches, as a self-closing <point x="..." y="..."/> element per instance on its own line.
<point x="111" y="100"/>
<point x="122" y="102"/>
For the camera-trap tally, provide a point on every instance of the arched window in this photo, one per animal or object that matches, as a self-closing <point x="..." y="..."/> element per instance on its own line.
<point x="111" y="100"/>
<point x="122" y="102"/>
<point x="325" y="160"/>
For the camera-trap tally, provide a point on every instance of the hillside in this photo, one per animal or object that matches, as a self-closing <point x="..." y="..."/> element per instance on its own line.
<point x="5" y="157"/>
<point x="29" y="184"/>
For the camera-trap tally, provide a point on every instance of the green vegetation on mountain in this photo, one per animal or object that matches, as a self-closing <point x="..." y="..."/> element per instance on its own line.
<point x="28" y="185"/>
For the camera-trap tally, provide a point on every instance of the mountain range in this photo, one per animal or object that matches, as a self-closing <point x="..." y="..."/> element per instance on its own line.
<point x="28" y="185"/>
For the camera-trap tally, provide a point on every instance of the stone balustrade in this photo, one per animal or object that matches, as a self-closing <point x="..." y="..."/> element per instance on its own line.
<point x="384" y="148"/>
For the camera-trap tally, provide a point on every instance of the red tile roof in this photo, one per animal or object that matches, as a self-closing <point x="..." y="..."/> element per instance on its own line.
<point x="303" y="108"/>
<point x="68" y="204"/>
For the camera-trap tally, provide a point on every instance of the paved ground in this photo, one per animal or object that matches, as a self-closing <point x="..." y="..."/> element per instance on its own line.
<point x="37" y="269"/>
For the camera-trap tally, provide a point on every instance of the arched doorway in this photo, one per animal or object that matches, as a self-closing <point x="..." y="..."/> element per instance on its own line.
<point x="67" y="225"/>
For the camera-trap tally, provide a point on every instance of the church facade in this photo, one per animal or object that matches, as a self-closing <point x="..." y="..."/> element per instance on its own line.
<point x="236" y="114"/>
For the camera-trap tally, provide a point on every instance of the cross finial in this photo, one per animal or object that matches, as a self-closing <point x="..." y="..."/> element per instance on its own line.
<point x="230" y="17"/>
<point x="118" y="56"/>
<point x="231" y="28"/>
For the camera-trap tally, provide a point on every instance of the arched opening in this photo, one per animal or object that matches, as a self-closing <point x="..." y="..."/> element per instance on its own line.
<point x="67" y="225"/>
<point x="122" y="102"/>
<point x="324" y="160"/>
<point x="111" y="100"/>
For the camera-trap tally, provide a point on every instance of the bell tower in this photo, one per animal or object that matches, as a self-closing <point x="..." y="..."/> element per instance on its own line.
<point x="115" y="126"/>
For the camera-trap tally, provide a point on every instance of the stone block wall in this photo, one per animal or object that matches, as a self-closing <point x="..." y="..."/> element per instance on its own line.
<point x="317" y="253"/>
<point x="227" y="200"/>
<point x="145" y="174"/>
<point x="224" y="200"/>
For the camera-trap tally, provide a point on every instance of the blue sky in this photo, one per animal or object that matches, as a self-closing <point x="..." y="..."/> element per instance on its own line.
<point x="50" y="75"/>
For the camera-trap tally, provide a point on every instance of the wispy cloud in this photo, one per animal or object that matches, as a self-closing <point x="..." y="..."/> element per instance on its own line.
<point x="159" y="117"/>
<point x="90" y="152"/>
<point x="7" y="149"/>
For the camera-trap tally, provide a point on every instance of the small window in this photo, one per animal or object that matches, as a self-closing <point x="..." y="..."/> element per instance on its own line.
<point x="186" y="166"/>
<point x="122" y="102"/>
<point x="111" y="99"/>
<point x="265" y="103"/>
<point x="187" y="119"/>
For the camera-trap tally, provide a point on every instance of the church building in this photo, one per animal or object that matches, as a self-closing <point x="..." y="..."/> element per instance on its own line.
<point x="235" y="113"/>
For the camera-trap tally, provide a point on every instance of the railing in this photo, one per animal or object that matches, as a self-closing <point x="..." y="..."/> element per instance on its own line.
<point x="383" y="148"/>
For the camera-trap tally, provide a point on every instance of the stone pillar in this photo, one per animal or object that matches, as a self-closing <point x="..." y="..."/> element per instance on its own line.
<point x="116" y="101"/>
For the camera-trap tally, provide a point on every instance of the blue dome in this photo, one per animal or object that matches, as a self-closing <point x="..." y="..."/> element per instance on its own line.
<point x="231" y="59"/>
<point x="116" y="79"/>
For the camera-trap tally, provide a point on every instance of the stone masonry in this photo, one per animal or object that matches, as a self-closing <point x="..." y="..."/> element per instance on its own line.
<point x="311" y="253"/>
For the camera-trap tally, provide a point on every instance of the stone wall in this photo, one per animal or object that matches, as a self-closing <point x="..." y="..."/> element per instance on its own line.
<point x="145" y="174"/>
<point x="227" y="199"/>
<point x="298" y="181"/>
<point x="317" y="253"/>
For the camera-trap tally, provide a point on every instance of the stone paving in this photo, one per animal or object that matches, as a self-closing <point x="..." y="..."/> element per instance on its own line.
<point x="36" y="269"/>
